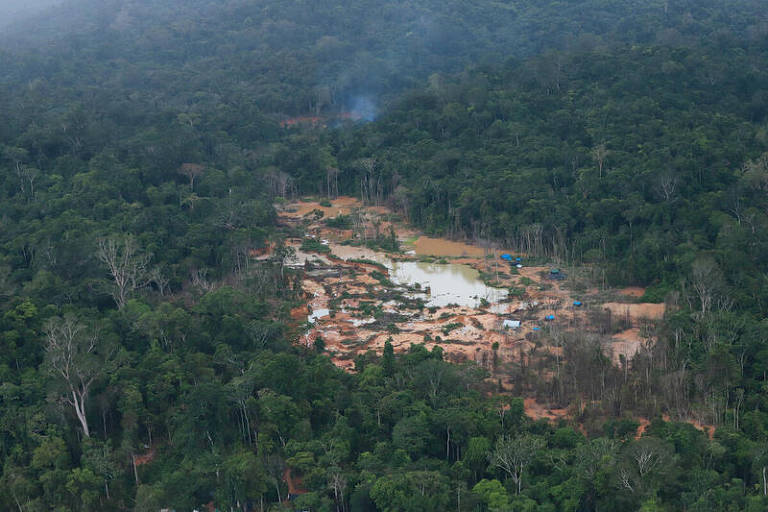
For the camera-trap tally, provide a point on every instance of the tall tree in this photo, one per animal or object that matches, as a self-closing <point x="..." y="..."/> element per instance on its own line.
<point x="388" y="359"/>
<point x="192" y="172"/>
<point x="76" y="357"/>
<point x="760" y="466"/>
<point x="513" y="455"/>
<point x="127" y="265"/>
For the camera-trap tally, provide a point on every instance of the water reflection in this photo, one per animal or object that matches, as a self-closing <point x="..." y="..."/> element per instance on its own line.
<point x="448" y="283"/>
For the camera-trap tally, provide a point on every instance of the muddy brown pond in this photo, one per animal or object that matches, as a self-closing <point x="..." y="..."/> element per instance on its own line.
<point x="443" y="283"/>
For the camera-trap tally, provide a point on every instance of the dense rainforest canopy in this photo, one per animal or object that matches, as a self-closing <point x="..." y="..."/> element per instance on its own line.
<point x="147" y="360"/>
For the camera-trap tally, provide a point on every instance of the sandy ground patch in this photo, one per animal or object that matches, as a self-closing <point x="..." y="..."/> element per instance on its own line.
<point x="636" y="311"/>
<point x="537" y="411"/>
<point x="354" y="312"/>
<point x="632" y="291"/>
<point x="349" y="252"/>
<point x="427" y="246"/>
<point x="341" y="205"/>
<point x="625" y="344"/>
<point x="645" y="423"/>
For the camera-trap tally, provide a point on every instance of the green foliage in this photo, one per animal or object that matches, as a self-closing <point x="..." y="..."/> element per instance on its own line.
<point x="621" y="429"/>
<point x="646" y="160"/>
<point x="314" y="245"/>
<point x="339" y="222"/>
<point x="410" y="434"/>
<point x="411" y="492"/>
<point x="656" y="292"/>
<point x="368" y="262"/>
<point x="584" y="151"/>
<point x="493" y="494"/>
<point x="447" y="328"/>
<point x="388" y="359"/>
<point x="388" y="243"/>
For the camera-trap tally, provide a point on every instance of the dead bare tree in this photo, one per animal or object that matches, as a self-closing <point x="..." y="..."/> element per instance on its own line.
<point x="513" y="455"/>
<point x="533" y="240"/>
<point x="332" y="182"/>
<point x="199" y="278"/>
<point x="643" y="462"/>
<point x="370" y="186"/>
<point x="600" y="153"/>
<point x="402" y="201"/>
<point x="280" y="184"/>
<point x="706" y="280"/>
<point x="72" y="355"/>
<point x="27" y="177"/>
<point x="191" y="171"/>
<point x="127" y="265"/>
<point x="667" y="186"/>
<point x="755" y="172"/>
<point x="359" y="223"/>
<point x="159" y="279"/>
<point x="337" y="483"/>
<point x="6" y="286"/>
<point x="760" y="465"/>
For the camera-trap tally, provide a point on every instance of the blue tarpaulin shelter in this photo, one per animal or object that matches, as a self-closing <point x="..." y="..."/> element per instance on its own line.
<point x="549" y="317"/>
<point x="577" y="303"/>
<point x="506" y="257"/>
<point x="556" y="274"/>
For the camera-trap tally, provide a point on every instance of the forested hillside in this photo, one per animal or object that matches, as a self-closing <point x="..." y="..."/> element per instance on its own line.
<point x="147" y="356"/>
<point x="638" y="159"/>
<point x="294" y="57"/>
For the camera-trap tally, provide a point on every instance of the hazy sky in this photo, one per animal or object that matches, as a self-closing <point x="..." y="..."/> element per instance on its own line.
<point x="11" y="10"/>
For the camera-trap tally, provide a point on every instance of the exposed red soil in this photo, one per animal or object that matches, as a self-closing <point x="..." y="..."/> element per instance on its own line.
<point x="644" y="423"/>
<point x="299" y="313"/>
<point x="140" y="460"/>
<point x="294" y="483"/>
<point x="537" y="411"/>
<point x="351" y="292"/>
<point x="346" y="334"/>
<point x="636" y="311"/>
<point x="642" y="428"/>
<point x="264" y="251"/>
<point x="440" y="247"/>
<point x="319" y="121"/>
<point x="342" y="205"/>
<point x="627" y="344"/>
<point x="632" y="291"/>
<point x="310" y="120"/>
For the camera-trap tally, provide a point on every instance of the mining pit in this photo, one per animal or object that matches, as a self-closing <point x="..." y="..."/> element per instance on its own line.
<point x="437" y="292"/>
<point x="476" y="301"/>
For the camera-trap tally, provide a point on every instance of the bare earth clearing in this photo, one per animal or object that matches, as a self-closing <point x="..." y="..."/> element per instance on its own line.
<point x="358" y="298"/>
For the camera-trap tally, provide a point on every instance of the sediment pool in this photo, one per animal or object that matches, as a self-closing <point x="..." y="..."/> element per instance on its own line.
<point x="446" y="283"/>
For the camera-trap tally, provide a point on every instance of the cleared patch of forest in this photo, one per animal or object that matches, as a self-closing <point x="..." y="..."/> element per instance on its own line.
<point x="538" y="338"/>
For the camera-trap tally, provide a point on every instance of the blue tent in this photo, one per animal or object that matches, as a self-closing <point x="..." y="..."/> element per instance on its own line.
<point x="518" y="259"/>
<point x="549" y="317"/>
<point x="537" y="328"/>
<point x="577" y="303"/>
<point x="506" y="257"/>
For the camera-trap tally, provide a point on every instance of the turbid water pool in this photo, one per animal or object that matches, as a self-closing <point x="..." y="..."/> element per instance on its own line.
<point x="447" y="283"/>
<point x="443" y="283"/>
